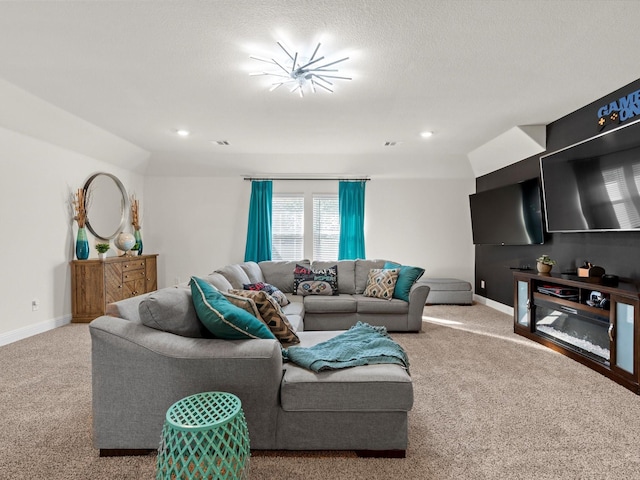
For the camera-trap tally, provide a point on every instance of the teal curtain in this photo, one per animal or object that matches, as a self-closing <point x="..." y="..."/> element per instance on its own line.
<point x="258" y="246"/>
<point x="351" y="206"/>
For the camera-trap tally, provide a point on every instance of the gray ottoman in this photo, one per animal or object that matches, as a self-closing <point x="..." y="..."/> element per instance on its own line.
<point x="448" y="291"/>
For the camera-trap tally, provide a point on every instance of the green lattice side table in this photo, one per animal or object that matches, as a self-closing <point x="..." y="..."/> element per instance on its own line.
<point x="204" y="436"/>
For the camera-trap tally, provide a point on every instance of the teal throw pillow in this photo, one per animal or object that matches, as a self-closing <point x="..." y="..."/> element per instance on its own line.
<point x="221" y="317"/>
<point x="406" y="278"/>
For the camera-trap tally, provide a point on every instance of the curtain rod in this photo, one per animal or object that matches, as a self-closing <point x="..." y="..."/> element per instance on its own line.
<point x="356" y="179"/>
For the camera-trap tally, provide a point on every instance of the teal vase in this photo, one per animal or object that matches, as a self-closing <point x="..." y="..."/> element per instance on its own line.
<point x="138" y="237"/>
<point x="82" y="244"/>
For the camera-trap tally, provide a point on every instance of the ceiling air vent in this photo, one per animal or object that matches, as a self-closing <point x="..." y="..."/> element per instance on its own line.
<point x="390" y="144"/>
<point x="222" y="143"/>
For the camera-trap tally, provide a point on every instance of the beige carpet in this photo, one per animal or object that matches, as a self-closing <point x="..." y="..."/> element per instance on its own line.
<point x="488" y="405"/>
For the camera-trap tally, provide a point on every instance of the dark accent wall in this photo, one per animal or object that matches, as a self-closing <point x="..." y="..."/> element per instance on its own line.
<point x="617" y="252"/>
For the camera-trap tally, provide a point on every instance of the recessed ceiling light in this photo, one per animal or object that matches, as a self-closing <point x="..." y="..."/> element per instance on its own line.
<point x="426" y="134"/>
<point x="183" y="133"/>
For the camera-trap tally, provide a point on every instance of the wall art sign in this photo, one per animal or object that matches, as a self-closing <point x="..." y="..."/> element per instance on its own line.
<point x="619" y="110"/>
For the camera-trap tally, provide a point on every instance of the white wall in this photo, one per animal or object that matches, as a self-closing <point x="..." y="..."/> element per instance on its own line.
<point x="38" y="233"/>
<point x="200" y="224"/>
<point x="195" y="224"/>
<point x="422" y="222"/>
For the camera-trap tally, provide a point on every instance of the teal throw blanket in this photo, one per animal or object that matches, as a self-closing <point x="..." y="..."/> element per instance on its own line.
<point x="362" y="344"/>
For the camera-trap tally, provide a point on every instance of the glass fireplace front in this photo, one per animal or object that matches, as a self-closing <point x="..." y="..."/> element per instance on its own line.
<point x="584" y="332"/>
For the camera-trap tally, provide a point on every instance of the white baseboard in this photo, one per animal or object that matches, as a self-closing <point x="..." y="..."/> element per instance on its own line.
<point x="501" y="307"/>
<point x="29" y="331"/>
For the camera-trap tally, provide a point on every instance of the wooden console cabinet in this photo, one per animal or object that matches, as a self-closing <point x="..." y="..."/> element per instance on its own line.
<point x="553" y="310"/>
<point x="96" y="283"/>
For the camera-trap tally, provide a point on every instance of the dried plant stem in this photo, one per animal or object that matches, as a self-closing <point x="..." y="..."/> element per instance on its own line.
<point x="80" y="207"/>
<point x="135" y="212"/>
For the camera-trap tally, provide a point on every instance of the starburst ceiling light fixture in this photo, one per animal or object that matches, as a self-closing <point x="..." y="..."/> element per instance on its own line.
<point x="297" y="71"/>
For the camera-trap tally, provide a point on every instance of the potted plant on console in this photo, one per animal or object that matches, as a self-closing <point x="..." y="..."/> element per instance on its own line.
<point x="544" y="263"/>
<point x="102" y="249"/>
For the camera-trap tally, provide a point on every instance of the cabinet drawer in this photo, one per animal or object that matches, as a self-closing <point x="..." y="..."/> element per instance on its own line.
<point x="127" y="276"/>
<point x="132" y="265"/>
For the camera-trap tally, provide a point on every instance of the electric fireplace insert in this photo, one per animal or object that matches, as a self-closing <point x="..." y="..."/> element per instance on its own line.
<point x="584" y="332"/>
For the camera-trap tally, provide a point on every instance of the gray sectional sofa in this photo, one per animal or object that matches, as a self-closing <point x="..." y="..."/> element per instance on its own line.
<point x="333" y="312"/>
<point x="140" y="370"/>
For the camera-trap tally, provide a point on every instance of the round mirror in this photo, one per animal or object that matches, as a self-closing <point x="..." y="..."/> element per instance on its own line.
<point x="106" y="205"/>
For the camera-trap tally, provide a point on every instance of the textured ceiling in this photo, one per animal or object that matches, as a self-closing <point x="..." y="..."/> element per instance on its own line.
<point x="467" y="70"/>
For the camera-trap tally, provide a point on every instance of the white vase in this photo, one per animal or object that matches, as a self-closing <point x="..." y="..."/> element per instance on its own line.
<point x="102" y="256"/>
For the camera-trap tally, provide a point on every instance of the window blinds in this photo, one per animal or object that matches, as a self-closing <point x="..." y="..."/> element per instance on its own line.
<point x="287" y="227"/>
<point x="326" y="227"/>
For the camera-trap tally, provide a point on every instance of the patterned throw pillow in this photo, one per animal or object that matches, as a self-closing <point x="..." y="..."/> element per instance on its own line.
<point x="244" y="303"/>
<point x="381" y="283"/>
<point x="223" y="319"/>
<point x="315" y="282"/>
<point x="280" y="297"/>
<point x="272" y="315"/>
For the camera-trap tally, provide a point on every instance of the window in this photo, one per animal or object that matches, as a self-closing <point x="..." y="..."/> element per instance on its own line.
<point x="293" y="238"/>
<point x="326" y="227"/>
<point x="287" y="227"/>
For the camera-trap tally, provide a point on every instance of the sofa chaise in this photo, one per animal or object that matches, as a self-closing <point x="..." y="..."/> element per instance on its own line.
<point x="139" y="370"/>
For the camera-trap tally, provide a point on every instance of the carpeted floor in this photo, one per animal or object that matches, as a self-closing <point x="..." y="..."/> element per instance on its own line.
<point x="488" y="405"/>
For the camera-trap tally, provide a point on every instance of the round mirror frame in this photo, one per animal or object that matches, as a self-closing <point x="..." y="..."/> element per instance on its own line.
<point x="124" y="205"/>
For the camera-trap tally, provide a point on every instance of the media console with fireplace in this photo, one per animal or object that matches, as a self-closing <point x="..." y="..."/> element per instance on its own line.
<point x="595" y="324"/>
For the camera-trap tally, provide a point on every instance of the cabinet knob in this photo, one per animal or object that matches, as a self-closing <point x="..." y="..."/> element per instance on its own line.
<point x="125" y="266"/>
<point x="119" y="286"/>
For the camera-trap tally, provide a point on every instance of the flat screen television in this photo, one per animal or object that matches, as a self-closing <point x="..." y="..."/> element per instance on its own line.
<point x="509" y="215"/>
<point x="594" y="185"/>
